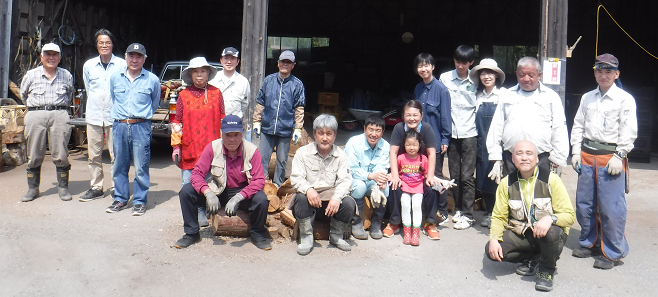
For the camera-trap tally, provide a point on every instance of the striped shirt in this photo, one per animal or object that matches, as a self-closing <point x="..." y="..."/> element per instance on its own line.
<point x="40" y="91"/>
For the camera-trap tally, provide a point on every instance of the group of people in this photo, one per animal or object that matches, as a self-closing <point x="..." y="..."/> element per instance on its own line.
<point x="506" y="143"/>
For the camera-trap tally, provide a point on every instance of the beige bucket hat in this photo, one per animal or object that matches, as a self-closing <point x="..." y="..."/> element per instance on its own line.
<point x="486" y="64"/>
<point x="198" y="62"/>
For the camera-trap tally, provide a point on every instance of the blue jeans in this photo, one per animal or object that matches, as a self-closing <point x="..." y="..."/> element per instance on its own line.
<point x="282" y="144"/>
<point x="186" y="175"/>
<point x="131" y="142"/>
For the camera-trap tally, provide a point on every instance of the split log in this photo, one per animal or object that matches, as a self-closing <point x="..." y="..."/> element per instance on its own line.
<point x="237" y="225"/>
<point x="274" y="203"/>
<point x="272" y="166"/>
<point x="304" y="141"/>
<point x="285" y="189"/>
<point x="285" y="232"/>
<point x="287" y="218"/>
<point x="274" y="232"/>
<point x="270" y="188"/>
<point x="286" y="200"/>
<point x="366" y="214"/>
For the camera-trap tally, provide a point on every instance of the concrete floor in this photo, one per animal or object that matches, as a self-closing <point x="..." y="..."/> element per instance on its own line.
<point x="54" y="248"/>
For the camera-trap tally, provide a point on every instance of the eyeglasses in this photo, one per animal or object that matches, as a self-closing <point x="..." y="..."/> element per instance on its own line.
<point x="101" y="43"/>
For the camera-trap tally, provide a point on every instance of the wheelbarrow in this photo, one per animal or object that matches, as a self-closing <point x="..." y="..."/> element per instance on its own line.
<point x="354" y="119"/>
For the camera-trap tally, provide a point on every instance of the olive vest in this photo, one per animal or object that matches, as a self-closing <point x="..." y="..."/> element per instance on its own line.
<point x="520" y="218"/>
<point x="216" y="180"/>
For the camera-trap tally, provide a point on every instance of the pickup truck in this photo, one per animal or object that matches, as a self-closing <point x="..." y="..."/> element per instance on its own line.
<point x="171" y="71"/>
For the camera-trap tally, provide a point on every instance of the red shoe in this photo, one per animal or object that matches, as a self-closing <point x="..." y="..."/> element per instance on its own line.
<point x="390" y="230"/>
<point x="415" y="237"/>
<point x="432" y="233"/>
<point x="407" y="235"/>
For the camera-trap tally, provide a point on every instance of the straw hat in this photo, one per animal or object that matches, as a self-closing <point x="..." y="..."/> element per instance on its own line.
<point x="486" y="64"/>
<point x="198" y="62"/>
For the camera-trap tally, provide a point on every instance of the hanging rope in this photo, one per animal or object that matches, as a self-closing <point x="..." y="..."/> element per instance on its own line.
<point x="598" y="10"/>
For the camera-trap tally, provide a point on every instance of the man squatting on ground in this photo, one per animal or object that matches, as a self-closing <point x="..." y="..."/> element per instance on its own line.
<point x="531" y="217"/>
<point x="96" y="74"/>
<point x="135" y="94"/>
<point x="532" y="111"/>
<point x="321" y="177"/>
<point x="48" y="90"/>
<point x="279" y="109"/>
<point x="227" y="173"/>
<point x="368" y="156"/>
<point x="603" y="133"/>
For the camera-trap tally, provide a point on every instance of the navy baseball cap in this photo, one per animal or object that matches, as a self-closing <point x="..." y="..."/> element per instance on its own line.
<point x="231" y="51"/>
<point x="231" y="123"/>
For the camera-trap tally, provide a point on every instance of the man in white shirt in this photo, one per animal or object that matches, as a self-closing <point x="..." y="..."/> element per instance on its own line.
<point x="603" y="133"/>
<point x="235" y="87"/>
<point x="528" y="111"/>
<point x="463" y="145"/>
<point x="96" y="74"/>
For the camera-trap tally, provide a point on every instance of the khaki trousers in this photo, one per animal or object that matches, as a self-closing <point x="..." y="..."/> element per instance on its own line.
<point x="95" y="140"/>
<point x="47" y="129"/>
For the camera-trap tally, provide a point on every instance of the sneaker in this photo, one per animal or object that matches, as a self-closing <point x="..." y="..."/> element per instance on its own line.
<point x="486" y="222"/>
<point x="390" y="230"/>
<point x="431" y="232"/>
<point x="139" y="209"/>
<point x="444" y="219"/>
<point x="116" y="206"/>
<point x="464" y="223"/>
<point x="91" y="194"/>
<point x="262" y="244"/>
<point x="187" y="240"/>
<point x="544" y="282"/>
<point x="457" y="216"/>
<point x="527" y="268"/>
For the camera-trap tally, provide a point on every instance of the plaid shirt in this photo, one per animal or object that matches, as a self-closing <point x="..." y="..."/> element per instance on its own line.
<point x="40" y="91"/>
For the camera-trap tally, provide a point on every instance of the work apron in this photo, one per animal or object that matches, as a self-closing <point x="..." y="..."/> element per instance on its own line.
<point x="483" y="166"/>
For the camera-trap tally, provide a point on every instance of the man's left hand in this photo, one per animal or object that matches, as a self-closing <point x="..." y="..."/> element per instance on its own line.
<point x="541" y="228"/>
<point x="332" y="208"/>
<point x="615" y="165"/>
<point x="444" y="149"/>
<point x="232" y="205"/>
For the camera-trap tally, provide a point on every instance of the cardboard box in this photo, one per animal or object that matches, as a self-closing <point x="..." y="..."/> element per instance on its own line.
<point x="330" y="99"/>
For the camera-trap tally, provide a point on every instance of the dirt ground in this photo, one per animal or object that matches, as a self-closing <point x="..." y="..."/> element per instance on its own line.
<point x="53" y="248"/>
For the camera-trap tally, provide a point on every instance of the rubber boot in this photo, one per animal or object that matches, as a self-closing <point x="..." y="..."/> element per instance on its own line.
<point x="203" y="220"/>
<point x="415" y="236"/>
<point x="305" y="244"/>
<point x="33" y="180"/>
<point x="63" y="183"/>
<point x="407" y="235"/>
<point x="337" y="233"/>
<point x="376" y="223"/>
<point x="357" y="222"/>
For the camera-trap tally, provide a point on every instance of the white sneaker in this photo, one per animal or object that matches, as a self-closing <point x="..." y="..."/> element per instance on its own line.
<point x="457" y="216"/>
<point x="464" y="223"/>
<point x="486" y="222"/>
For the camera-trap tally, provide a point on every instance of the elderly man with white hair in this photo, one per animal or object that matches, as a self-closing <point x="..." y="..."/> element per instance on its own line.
<point x="531" y="111"/>
<point x="47" y="91"/>
<point x="321" y="176"/>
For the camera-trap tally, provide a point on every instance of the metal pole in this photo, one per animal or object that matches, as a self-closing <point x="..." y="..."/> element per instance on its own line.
<point x="5" y="37"/>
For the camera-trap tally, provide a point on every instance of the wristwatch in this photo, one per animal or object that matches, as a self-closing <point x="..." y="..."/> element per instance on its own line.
<point x="620" y="154"/>
<point x="554" y="219"/>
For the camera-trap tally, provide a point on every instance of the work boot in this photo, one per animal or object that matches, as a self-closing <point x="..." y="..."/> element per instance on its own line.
<point x="305" y="244"/>
<point x="544" y="281"/>
<point x="581" y="252"/>
<point x="528" y="267"/>
<point x="357" y="222"/>
<point x="602" y="262"/>
<point x="203" y="220"/>
<point x="187" y="240"/>
<point x="337" y="233"/>
<point x="63" y="183"/>
<point x="33" y="180"/>
<point x="376" y="225"/>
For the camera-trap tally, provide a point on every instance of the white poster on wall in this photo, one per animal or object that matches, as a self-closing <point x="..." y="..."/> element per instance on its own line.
<point x="552" y="70"/>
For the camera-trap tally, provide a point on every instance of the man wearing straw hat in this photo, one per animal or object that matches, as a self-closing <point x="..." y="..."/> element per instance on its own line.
<point x="603" y="133"/>
<point x="47" y="92"/>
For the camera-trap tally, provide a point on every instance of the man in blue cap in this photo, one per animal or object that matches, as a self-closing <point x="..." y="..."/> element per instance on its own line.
<point x="236" y="181"/>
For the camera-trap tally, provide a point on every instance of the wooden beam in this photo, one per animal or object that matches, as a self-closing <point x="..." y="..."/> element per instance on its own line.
<point x="254" y="41"/>
<point x="553" y="38"/>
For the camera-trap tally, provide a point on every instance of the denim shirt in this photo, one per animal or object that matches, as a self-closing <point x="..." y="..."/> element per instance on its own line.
<point x="97" y="84"/>
<point x="134" y="100"/>
<point x="462" y="96"/>
<point x="435" y="99"/>
<point x="364" y="160"/>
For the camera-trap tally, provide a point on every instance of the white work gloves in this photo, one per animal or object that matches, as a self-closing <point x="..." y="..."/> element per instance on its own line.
<point x="443" y="184"/>
<point x="575" y="162"/>
<point x="497" y="172"/>
<point x="615" y="165"/>
<point x="257" y="129"/>
<point x="377" y="198"/>
<point x="296" y="136"/>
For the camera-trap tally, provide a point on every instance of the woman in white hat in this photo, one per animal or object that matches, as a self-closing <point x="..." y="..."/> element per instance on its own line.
<point x="489" y="79"/>
<point x="199" y="114"/>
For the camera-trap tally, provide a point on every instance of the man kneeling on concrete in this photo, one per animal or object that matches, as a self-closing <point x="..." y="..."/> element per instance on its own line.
<point x="368" y="155"/>
<point x="321" y="177"/>
<point x="533" y="205"/>
<point x="229" y="172"/>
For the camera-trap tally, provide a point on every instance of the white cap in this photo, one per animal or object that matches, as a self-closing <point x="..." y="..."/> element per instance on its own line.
<point x="50" y="47"/>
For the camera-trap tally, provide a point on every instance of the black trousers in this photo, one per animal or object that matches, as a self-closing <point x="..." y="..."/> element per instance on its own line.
<point x="301" y="209"/>
<point x="462" y="155"/>
<point x="547" y="249"/>
<point x="508" y="166"/>
<point x="429" y="206"/>
<point x="438" y="172"/>
<point x="190" y="200"/>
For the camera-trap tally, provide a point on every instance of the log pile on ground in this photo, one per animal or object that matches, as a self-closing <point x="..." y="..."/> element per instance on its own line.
<point x="293" y="150"/>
